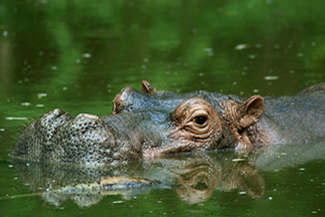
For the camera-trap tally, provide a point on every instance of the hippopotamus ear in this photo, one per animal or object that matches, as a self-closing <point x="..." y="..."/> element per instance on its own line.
<point x="147" y="88"/>
<point x="250" y="111"/>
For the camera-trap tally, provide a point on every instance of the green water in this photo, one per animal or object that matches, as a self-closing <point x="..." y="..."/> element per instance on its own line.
<point x="77" y="55"/>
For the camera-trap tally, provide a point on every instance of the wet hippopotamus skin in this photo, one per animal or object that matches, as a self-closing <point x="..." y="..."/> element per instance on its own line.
<point x="285" y="120"/>
<point x="153" y="123"/>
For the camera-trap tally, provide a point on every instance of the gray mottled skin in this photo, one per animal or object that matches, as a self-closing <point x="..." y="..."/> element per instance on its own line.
<point x="131" y="99"/>
<point x="146" y="124"/>
<point x="59" y="137"/>
<point x="297" y="119"/>
<point x="286" y="120"/>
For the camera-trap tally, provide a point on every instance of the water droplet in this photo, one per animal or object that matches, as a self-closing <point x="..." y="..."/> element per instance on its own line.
<point x="16" y="118"/>
<point x="25" y="103"/>
<point x="241" y="46"/>
<point x="86" y="55"/>
<point x="268" y="78"/>
<point x="41" y="95"/>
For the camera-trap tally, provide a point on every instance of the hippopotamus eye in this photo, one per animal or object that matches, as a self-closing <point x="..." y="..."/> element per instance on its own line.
<point x="200" y="120"/>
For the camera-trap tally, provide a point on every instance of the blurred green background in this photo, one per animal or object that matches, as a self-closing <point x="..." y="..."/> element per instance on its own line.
<point x="88" y="50"/>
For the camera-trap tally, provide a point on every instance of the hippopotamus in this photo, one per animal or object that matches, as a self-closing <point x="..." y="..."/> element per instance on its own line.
<point x="285" y="120"/>
<point x="160" y="123"/>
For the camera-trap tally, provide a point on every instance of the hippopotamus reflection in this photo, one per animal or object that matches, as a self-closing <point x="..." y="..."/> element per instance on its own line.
<point x="160" y="123"/>
<point x="194" y="177"/>
<point x="198" y="177"/>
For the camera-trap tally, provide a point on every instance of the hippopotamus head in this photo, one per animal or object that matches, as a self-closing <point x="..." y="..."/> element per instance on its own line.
<point x="193" y="125"/>
<point x="232" y="114"/>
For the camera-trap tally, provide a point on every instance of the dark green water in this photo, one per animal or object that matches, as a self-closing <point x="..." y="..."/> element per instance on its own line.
<point x="77" y="55"/>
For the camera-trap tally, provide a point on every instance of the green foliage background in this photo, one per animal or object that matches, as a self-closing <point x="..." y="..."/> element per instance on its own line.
<point x="176" y="45"/>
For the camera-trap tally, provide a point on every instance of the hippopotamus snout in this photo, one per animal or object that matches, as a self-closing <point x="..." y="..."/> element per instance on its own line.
<point x="85" y="139"/>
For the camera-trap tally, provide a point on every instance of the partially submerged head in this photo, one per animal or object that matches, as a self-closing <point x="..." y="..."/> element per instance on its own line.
<point x="201" y="121"/>
<point x="167" y="124"/>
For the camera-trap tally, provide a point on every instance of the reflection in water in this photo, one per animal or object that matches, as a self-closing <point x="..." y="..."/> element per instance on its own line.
<point x="245" y="177"/>
<point x="197" y="180"/>
<point x="58" y="181"/>
<point x="194" y="177"/>
<point x="88" y="194"/>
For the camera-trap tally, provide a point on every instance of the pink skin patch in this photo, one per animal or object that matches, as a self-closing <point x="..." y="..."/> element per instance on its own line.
<point x="92" y="117"/>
